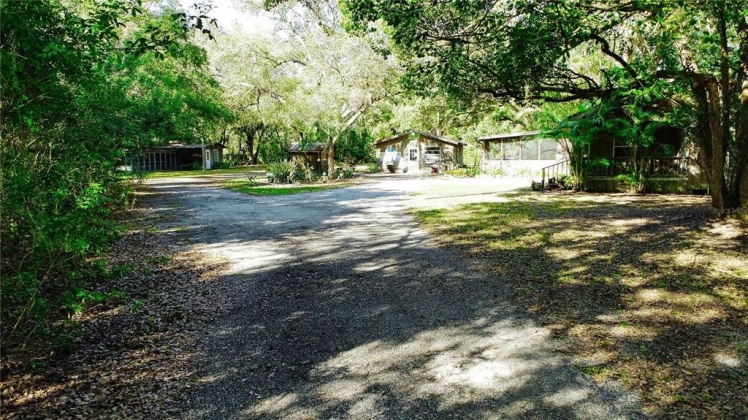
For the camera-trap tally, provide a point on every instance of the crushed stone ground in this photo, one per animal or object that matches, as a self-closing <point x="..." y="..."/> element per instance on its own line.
<point x="347" y="309"/>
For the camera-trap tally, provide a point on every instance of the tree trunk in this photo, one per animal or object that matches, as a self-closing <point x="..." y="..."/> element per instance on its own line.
<point x="261" y="134"/>
<point x="249" y="133"/>
<point x="739" y="157"/>
<point x="741" y="121"/>
<point x="718" y="187"/>
<point x="703" y="132"/>
<point x="331" y="157"/>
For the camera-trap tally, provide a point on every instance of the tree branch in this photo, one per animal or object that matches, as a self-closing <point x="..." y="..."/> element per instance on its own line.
<point x="605" y="48"/>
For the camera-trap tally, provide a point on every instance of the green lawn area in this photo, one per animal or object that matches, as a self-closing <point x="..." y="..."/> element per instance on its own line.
<point x="258" y="169"/>
<point x="649" y="290"/>
<point x="264" y="189"/>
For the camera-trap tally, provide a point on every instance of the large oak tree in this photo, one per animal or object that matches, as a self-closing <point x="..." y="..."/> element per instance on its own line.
<point x="686" y="55"/>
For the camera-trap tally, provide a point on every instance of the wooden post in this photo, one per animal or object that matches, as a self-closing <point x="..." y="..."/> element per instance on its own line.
<point x="542" y="181"/>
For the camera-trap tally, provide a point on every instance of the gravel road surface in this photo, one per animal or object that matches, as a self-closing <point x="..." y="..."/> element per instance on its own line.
<point x="347" y="309"/>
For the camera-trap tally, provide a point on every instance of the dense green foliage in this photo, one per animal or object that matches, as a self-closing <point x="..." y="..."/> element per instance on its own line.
<point x="671" y="57"/>
<point x="82" y="84"/>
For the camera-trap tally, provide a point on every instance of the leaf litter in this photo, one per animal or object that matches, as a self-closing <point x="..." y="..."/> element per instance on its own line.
<point x="136" y="354"/>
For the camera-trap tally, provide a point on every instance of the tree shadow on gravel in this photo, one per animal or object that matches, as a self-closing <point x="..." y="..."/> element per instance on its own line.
<point x="348" y="309"/>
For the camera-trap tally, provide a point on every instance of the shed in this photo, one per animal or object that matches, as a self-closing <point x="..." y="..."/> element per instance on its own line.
<point x="418" y="152"/>
<point x="520" y="153"/>
<point x="312" y="155"/>
<point x="178" y="156"/>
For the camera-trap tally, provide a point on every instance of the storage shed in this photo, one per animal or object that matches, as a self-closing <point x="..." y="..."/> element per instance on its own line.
<point x="312" y="155"/>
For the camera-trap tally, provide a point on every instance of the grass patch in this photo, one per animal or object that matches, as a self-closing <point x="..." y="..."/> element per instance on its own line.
<point x="246" y="187"/>
<point x="196" y="173"/>
<point x="651" y="285"/>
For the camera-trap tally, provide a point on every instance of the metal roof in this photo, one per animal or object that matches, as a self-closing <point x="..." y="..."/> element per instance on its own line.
<point x="189" y="146"/>
<point x="308" y="147"/>
<point x="431" y="136"/>
<point x="510" y="136"/>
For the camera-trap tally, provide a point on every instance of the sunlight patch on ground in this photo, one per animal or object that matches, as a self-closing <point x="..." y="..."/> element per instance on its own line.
<point x="571" y="236"/>
<point x="568" y="396"/>
<point x="688" y="258"/>
<point x="210" y="378"/>
<point x="568" y="254"/>
<point x="273" y="405"/>
<point x="262" y="256"/>
<point x="623" y="225"/>
<point x="455" y="364"/>
<point x="650" y="295"/>
<point x="678" y="298"/>
<point x="728" y="360"/>
<point x="375" y="265"/>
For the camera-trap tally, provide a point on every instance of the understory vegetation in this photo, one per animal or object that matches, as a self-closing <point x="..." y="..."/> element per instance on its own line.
<point x="264" y="189"/>
<point x="82" y="84"/>
<point x="648" y="290"/>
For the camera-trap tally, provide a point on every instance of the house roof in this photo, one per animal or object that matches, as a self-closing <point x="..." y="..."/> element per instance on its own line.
<point x="510" y="136"/>
<point x="431" y="136"/>
<point x="308" y="147"/>
<point x="198" y="146"/>
<point x="175" y="145"/>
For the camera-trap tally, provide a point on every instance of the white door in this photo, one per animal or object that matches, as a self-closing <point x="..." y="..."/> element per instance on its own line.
<point x="208" y="160"/>
<point x="413" y="158"/>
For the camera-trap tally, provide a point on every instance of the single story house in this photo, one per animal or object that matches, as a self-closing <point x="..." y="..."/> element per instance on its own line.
<point x="178" y="156"/>
<point x="665" y="162"/>
<point x="520" y="153"/>
<point x="313" y="155"/>
<point x="418" y="152"/>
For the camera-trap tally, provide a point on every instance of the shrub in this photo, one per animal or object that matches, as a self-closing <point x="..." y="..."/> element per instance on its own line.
<point x="306" y="173"/>
<point x="344" y="172"/>
<point x="465" y="172"/>
<point x="284" y="171"/>
<point x="222" y="165"/>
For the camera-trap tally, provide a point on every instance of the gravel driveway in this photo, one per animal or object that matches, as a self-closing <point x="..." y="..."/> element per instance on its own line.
<point x="347" y="309"/>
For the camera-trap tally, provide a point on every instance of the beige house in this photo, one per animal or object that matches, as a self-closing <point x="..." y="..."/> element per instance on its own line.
<point x="416" y="152"/>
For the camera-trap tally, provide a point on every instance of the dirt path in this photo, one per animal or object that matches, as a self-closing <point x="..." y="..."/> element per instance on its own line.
<point x="348" y="310"/>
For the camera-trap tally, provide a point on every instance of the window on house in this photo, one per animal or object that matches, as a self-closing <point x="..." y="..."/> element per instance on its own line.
<point x="529" y="149"/>
<point x="494" y="150"/>
<point x="413" y="155"/>
<point x="548" y="149"/>
<point x="511" y="150"/>
<point x="621" y="149"/>
<point x="433" y="154"/>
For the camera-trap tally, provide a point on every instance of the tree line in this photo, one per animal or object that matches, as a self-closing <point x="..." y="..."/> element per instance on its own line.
<point x="84" y="83"/>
